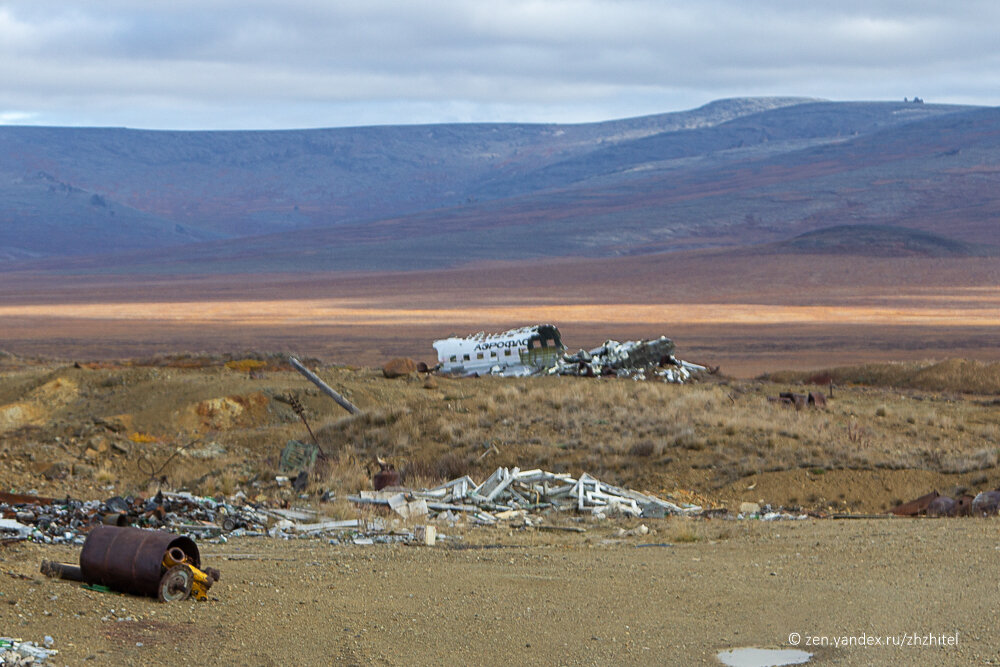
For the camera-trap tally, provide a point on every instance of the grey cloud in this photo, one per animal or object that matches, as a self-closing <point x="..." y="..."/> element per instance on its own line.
<point x="300" y="62"/>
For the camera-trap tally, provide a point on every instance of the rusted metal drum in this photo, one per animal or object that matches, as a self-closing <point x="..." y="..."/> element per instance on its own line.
<point x="130" y="560"/>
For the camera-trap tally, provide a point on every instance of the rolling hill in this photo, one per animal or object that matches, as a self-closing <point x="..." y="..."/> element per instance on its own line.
<point x="733" y="173"/>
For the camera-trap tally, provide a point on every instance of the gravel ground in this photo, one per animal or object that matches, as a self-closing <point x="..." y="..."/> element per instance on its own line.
<point x="498" y="597"/>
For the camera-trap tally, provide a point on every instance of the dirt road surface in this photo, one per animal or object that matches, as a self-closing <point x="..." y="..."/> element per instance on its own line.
<point x="495" y="597"/>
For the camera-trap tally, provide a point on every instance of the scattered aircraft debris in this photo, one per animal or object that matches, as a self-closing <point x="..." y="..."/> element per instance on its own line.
<point x="513" y="492"/>
<point x="538" y="350"/>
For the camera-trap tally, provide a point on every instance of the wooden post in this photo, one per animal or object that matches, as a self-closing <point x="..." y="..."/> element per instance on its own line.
<point x="324" y="387"/>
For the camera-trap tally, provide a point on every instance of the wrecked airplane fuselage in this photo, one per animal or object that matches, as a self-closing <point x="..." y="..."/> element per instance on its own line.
<point x="538" y="350"/>
<point x="514" y="353"/>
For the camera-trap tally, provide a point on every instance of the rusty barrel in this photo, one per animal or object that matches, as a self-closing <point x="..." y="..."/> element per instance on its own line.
<point x="130" y="560"/>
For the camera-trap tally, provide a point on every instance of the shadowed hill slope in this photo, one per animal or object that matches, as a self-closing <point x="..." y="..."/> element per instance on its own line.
<point x="733" y="173"/>
<point x="881" y="241"/>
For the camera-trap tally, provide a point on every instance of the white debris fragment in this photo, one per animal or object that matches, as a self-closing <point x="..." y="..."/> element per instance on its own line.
<point x="17" y="652"/>
<point x="14" y="530"/>
<point x="510" y="494"/>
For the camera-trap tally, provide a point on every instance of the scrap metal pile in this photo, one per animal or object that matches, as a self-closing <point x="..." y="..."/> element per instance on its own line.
<point x="636" y="359"/>
<point x="512" y="492"/>
<point x="54" y="521"/>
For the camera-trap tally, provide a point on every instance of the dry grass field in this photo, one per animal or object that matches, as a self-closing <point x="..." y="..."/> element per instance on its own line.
<point x="163" y="397"/>
<point x="719" y="442"/>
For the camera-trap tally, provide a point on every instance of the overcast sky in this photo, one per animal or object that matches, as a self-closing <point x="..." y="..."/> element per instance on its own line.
<point x="218" y="64"/>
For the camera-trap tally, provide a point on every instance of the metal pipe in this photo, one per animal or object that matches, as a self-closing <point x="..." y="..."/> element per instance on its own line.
<point x="115" y="519"/>
<point x="51" y="568"/>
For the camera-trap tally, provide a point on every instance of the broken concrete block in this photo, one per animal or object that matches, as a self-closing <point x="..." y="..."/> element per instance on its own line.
<point x="426" y="535"/>
<point x="417" y="509"/>
<point x="398" y="505"/>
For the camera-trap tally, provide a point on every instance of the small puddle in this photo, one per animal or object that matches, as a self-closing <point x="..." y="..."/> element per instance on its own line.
<point x="763" y="657"/>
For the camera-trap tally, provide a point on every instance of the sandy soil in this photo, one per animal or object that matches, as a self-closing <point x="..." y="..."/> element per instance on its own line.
<point x="746" y="312"/>
<point x="499" y="597"/>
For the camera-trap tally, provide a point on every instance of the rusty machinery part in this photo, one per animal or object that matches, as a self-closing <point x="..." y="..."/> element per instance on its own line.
<point x="174" y="556"/>
<point x="115" y="519"/>
<point x="56" y="570"/>
<point x="176" y="584"/>
<point x="201" y="580"/>
<point x="387" y="475"/>
<point x="130" y="560"/>
<point x="301" y="412"/>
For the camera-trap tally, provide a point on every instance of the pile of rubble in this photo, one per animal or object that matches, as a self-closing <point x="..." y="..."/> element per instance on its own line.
<point x="54" y="521"/>
<point x="636" y="359"/>
<point x="512" y="492"/>
<point x="17" y="652"/>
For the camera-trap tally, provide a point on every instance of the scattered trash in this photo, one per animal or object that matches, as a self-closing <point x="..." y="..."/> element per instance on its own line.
<point x="510" y="490"/>
<point x="766" y="513"/>
<point x="12" y="531"/>
<point x="16" y="652"/>
<point x="66" y="521"/>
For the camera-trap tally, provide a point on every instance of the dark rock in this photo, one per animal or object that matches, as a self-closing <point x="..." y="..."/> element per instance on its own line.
<point x="399" y="367"/>
<point x="56" y="471"/>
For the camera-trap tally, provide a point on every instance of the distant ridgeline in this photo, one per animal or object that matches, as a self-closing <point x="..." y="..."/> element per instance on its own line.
<point x="918" y="177"/>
